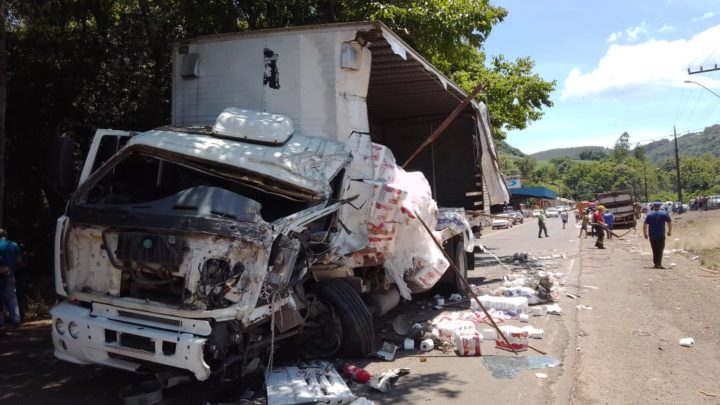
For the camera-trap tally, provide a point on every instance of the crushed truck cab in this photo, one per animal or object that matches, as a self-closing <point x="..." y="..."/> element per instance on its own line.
<point x="203" y="245"/>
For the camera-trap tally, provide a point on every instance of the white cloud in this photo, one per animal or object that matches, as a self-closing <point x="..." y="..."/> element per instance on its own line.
<point x="667" y="28"/>
<point x="709" y="14"/>
<point x="631" y="34"/>
<point x="615" y="36"/>
<point x="631" y="67"/>
<point x="634" y="33"/>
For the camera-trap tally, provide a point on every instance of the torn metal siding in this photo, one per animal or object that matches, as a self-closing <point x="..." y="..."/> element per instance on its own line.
<point x="315" y="84"/>
<point x="494" y="184"/>
<point x="305" y="162"/>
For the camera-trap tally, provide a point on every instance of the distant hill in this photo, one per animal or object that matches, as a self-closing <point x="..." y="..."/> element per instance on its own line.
<point x="571" y="153"/>
<point x="695" y="144"/>
<point x="505" y="149"/>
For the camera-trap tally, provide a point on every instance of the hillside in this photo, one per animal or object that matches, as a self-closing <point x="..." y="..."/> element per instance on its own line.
<point x="505" y="149"/>
<point x="572" y="153"/>
<point x="693" y="144"/>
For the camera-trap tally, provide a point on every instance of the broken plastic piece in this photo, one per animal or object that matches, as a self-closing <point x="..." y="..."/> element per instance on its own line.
<point x="387" y="351"/>
<point x="687" y="342"/>
<point x="385" y="381"/>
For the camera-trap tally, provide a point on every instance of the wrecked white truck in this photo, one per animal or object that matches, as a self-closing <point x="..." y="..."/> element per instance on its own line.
<point x="203" y="245"/>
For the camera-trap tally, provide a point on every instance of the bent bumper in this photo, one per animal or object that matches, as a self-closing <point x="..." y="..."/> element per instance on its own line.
<point x="85" y="339"/>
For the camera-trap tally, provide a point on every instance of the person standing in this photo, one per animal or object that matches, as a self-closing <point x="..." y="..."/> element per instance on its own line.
<point x="542" y="219"/>
<point x="609" y="218"/>
<point x="654" y="231"/>
<point x="584" y="224"/>
<point x="564" y="218"/>
<point x="599" y="227"/>
<point x="10" y="257"/>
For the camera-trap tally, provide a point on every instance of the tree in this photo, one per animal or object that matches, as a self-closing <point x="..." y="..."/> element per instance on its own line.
<point x="622" y="147"/>
<point x="526" y="165"/>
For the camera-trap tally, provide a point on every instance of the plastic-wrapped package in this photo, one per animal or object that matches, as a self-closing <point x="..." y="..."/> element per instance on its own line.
<point x="467" y="343"/>
<point x="455" y="219"/>
<point x="517" y="337"/>
<point x="513" y="305"/>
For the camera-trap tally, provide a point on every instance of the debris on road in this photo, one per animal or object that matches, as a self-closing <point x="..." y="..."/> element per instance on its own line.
<point x="507" y="367"/>
<point x="316" y="382"/>
<point x="387" y="351"/>
<point x="687" y="342"/>
<point x="384" y="382"/>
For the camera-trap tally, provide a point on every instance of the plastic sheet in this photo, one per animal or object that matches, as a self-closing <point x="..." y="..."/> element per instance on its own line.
<point x="507" y="367"/>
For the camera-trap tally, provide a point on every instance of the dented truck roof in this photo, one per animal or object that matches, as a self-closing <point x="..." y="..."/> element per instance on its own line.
<point x="304" y="165"/>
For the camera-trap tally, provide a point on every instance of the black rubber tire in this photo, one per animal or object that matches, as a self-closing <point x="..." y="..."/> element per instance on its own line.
<point x="449" y="282"/>
<point x="358" y="332"/>
<point x="460" y="258"/>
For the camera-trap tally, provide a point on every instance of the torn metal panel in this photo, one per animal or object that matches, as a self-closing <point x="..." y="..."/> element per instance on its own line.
<point x="496" y="187"/>
<point x="307" y="163"/>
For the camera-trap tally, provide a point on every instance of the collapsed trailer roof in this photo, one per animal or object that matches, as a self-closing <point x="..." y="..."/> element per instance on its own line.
<point x="330" y="80"/>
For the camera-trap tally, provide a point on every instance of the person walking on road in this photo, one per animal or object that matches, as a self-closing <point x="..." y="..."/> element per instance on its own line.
<point x="609" y="221"/>
<point x="654" y="231"/>
<point x="564" y="218"/>
<point x="599" y="227"/>
<point x="542" y="219"/>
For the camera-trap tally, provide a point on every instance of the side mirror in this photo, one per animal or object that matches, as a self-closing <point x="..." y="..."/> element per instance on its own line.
<point x="62" y="165"/>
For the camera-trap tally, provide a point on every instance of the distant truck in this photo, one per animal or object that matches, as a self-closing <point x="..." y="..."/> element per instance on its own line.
<point x="622" y="205"/>
<point x="271" y="209"/>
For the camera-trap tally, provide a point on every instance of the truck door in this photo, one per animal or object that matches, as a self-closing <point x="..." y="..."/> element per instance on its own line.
<point x="105" y="144"/>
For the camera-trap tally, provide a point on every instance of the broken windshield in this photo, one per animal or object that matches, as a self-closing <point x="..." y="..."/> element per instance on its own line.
<point x="140" y="178"/>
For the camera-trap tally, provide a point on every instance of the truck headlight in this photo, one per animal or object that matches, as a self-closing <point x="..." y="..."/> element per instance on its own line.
<point x="60" y="326"/>
<point x="73" y="329"/>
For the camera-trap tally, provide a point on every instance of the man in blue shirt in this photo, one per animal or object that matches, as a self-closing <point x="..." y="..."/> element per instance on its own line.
<point x="609" y="221"/>
<point x="10" y="257"/>
<point x="654" y="230"/>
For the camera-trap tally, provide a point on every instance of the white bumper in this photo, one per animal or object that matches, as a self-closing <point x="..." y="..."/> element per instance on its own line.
<point x="100" y="340"/>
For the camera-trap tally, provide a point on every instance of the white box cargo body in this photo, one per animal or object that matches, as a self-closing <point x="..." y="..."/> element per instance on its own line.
<point x="332" y="80"/>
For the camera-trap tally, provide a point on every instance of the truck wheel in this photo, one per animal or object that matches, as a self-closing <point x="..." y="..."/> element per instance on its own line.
<point x="449" y="282"/>
<point x="342" y="323"/>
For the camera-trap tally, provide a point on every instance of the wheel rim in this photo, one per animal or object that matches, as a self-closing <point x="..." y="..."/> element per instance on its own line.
<point x="322" y="335"/>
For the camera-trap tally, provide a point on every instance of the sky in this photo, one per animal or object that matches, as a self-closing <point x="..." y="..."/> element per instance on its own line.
<point x="620" y="66"/>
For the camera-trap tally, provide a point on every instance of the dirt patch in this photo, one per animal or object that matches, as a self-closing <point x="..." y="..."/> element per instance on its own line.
<point x="697" y="233"/>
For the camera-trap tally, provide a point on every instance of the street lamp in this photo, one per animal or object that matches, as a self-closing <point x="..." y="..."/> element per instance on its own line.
<point x="703" y="86"/>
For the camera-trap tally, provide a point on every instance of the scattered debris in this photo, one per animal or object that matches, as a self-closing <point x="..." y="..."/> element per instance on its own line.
<point x="358" y="374"/>
<point x="384" y="382"/>
<point x="584" y="307"/>
<point x="573" y="296"/>
<point x="708" y="393"/>
<point x="401" y="324"/>
<point x="426" y="345"/>
<point x="541" y="376"/>
<point x="517" y="339"/>
<point x="387" y="351"/>
<point x="553" y="309"/>
<point x="408" y="344"/>
<point x="316" y="382"/>
<point x="687" y="342"/>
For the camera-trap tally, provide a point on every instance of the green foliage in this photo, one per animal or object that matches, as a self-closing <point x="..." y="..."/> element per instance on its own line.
<point x="582" y="153"/>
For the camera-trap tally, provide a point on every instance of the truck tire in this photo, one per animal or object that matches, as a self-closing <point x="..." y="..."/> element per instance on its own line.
<point x="356" y="331"/>
<point x="449" y="282"/>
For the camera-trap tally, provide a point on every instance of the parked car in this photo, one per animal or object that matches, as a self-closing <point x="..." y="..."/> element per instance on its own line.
<point x="517" y="217"/>
<point x="536" y="213"/>
<point x="503" y="221"/>
<point x="552" y="212"/>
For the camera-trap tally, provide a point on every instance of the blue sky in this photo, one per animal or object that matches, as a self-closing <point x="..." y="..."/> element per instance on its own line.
<point x="620" y="66"/>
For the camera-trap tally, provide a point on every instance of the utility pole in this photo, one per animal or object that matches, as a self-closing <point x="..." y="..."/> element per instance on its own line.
<point x="677" y="172"/>
<point x="645" y="178"/>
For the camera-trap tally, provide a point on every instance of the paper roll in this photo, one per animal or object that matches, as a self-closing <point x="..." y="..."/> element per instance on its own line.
<point x="409" y="344"/>
<point x="427" y="345"/>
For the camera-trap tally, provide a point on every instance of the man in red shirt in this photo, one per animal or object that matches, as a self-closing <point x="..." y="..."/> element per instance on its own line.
<point x="599" y="224"/>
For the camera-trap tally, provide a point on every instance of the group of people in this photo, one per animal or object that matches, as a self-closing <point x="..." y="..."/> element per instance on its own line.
<point x="10" y="259"/>
<point x="601" y="222"/>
